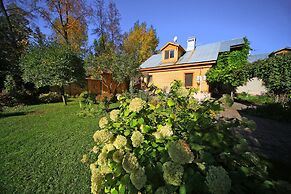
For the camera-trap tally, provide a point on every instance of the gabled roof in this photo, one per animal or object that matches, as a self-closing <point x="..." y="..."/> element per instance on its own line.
<point x="282" y="49"/>
<point x="172" y="43"/>
<point x="202" y="53"/>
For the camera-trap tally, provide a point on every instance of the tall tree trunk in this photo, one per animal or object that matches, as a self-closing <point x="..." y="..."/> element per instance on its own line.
<point x="63" y="95"/>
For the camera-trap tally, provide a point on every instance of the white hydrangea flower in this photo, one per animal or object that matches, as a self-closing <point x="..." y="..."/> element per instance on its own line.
<point x="102" y="136"/>
<point x="164" y="132"/>
<point x="137" y="138"/>
<point x="103" y="122"/>
<point x="108" y="147"/>
<point x="182" y="92"/>
<point x="120" y="142"/>
<point x="114" y="115"/>
<point x="136" y="105"/>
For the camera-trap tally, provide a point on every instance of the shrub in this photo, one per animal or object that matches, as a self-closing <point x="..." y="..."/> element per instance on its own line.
<point x="171" y="146"/>
<point x="86" y="102"/>
<point x="50" y="97"/>
<point x="226" y="100"/>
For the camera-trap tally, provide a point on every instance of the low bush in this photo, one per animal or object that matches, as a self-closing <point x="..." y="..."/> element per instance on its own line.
<point x="226" y="100"/>
<point x="7" y="100"/>
<point x="169" y="144"/>
<point x="255" y="100"/>
<point x="50" y="97"/>
<point x="87" y="102"/>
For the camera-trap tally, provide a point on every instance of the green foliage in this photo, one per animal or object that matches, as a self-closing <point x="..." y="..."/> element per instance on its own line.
<point x="256" y="100"/>
<point x="231" y="69"/>
<point x="226" y="100"/>
<point x="50" y="97"/>
<point x="10" y="85"/>
<point x="14" y="37"/>
<point x="276" y="74"/>
<point x="52" y="65"/>
<point x="166" y="142"/>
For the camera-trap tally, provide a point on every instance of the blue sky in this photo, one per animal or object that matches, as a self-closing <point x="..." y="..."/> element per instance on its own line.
<point x="266" y="23"/>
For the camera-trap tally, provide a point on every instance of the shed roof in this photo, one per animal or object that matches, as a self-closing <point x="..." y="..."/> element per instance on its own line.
<point x="202" y="53"/>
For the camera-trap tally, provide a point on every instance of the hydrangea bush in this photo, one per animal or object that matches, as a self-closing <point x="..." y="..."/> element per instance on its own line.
<point x="169" y="143"/>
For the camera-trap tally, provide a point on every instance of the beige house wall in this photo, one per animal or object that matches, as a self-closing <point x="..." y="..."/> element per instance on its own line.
<point x="254" y="86"/>
<point x="163" y="79"/>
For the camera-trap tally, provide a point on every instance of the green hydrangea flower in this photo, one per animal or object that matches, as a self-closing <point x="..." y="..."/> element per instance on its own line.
<point x="95" y="149"/>
<point x="108" y="148"/>
<point x="137" y="138"/>
<point x="102" y="136"/>
<point x="120" y="142"/>
<point x="173" y="173"/>
<point x="103" y="122"/>
<point x="138" y="178"/>
<point x="162" y="190"/>
<point x="129" y="163"/>
<point x="217" y="180"/>
<point x="85" y="158"/>
<point x="105" y="169"/>
<point x="102" y="159"/>
<point x="96" y="179"/>
<point x="136" y="105"/>
<point x="114" y="115"/>
<point x="180" y="152"/>
<point x="183" y="92"/>
<point x="118" y="156"/>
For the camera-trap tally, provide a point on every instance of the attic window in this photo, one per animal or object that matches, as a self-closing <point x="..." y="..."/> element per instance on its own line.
<point x="169" y="54"/>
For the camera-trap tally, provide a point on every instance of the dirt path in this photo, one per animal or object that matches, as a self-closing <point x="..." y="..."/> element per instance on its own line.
<point x="271" y="138"/>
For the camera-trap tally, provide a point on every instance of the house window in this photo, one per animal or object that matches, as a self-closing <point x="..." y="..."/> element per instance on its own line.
<point x="188" y="79"/>
<point x="171" y="53"/>
<point x="166" y="54"/>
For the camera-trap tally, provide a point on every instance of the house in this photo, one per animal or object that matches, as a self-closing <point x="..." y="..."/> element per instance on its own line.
<point x="187" y="65"/>
<point x="255" y="86"/>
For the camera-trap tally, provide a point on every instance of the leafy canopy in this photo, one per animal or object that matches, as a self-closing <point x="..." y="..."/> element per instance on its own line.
<point x="52" y="65"/>
<point x="275" y="72"/>
<point x="230" y="69"/>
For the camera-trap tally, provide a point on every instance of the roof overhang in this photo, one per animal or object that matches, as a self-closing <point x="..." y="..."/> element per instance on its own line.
<point x="175" y="66"/>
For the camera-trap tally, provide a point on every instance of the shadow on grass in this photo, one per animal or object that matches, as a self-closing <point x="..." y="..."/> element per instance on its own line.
<point x="274" y="111"/>
<point x="12" y="114"/>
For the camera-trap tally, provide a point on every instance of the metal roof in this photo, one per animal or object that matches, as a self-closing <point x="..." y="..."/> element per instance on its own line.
<point x="202" y="53"/>
<point x="253" y="58"/>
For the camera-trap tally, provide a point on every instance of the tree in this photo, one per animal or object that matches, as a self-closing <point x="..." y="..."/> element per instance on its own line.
<point x="52" y="65"/>
<point x="14" y="37"/>
<point x="276" y="74"/>
<point x="231" y="69"/>
<point x="139" y="44"/>
<point x="67" y="19"/>
<point x="141" y="41"/>
<point x="113" y="26"/>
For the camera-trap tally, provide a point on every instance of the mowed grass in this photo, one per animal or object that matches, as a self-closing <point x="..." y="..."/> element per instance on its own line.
<point x="41" y="147"/>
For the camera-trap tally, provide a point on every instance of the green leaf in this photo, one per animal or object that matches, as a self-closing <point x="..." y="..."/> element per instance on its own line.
<point x="182" y="189"/>
<point x="114" y="191"/>
<point x="196" y="147"/>
<point x="133" y="123"/>
<point x="126" y="132"/>
<point x="170" y="102"/>
<point x="121" y="189"/>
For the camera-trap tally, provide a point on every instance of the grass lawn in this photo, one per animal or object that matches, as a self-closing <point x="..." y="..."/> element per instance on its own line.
<point x="41" y="147"/>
